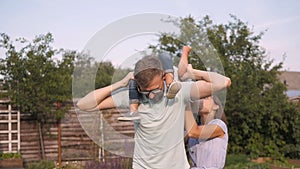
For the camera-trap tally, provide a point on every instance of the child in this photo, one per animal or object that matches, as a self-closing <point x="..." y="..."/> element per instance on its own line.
<point x="172" y="86"/>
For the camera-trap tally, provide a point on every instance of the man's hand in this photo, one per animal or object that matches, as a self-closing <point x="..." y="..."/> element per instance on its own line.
<point x="124" y="82"/>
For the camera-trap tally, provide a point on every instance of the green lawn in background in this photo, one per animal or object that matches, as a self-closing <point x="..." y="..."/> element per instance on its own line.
<point x="241" y="161"/>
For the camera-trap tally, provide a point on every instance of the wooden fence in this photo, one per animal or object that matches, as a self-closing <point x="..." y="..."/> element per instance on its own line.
<point x="9" y="128"/>
<point x="43" y="142"/>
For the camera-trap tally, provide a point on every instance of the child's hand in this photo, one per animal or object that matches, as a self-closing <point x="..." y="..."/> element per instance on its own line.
<point x="186" y="49"/>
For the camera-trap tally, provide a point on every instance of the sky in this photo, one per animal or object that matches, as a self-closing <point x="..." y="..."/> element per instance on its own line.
<point x="73" y="22"/>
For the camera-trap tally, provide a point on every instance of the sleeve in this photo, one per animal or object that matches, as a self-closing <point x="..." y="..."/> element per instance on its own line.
<point x="186" y="91"/>
<point x="220" y="123"/>
<point x="121" y="98"/>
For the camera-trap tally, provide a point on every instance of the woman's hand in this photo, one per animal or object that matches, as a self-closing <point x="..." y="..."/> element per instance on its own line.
<point x="188" y="74"/>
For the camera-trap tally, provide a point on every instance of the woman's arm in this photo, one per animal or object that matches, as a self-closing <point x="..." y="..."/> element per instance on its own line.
<point x="101" y="98"/>
<point x="207" y="82"/>
<point x="203" y="131"/>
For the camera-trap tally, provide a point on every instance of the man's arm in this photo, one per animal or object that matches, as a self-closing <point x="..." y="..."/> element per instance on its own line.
<point x="101" y="98"/>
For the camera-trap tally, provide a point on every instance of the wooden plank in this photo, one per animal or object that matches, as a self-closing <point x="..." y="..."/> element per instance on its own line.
<point x="12" y="131"/>
<point x="73" y="136"/>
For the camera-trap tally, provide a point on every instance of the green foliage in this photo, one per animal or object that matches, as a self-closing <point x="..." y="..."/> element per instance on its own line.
<point x="237" y="161"/>
<point x="39" y="78"/>
<point x="112" y="163"/>
<point x="262" y="122"/>
<point x="84" y="68"/>
<point x="89" y="75"/>
<point x="10" y="156"/>
<point x="45" y="164"/>
<point x="104" y="74"/>
<point x="38" y="75"/>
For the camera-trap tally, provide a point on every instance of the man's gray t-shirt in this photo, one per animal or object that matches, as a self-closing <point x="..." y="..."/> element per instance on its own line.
<point x="159" y="137"/>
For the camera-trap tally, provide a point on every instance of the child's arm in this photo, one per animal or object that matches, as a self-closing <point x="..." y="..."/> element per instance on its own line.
<point x="183" y="63"/>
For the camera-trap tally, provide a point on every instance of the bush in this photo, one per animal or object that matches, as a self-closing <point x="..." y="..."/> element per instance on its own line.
<point x="10" y="156"/>
<point x="113" y="163"/>
<point x="43" y="164"/>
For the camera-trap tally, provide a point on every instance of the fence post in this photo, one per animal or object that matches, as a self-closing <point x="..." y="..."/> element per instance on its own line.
<point x="58" y="105"/>
<point x="41" y="140"/>
<point x="19" y="130"/>
<point x="59" y="142"/>
<point x="9" y="129"/>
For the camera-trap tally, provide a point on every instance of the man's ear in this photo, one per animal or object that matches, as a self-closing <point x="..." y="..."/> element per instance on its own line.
<point x="164" y="76"/>
<point x="215" y="107"/>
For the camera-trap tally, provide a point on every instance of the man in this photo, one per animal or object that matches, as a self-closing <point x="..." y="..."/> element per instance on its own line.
<point x="159" y="137"/>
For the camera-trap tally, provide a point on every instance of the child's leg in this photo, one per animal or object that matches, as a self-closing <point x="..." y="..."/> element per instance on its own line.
<point x="172" y="86"/>
<point x="167" y="63"/>
<point x="133" y="96"/>
<point x="169" y="78"/>
<point x="134" y="107"/>
<point x="183" y="63"/>
<point x="134" y="103"/>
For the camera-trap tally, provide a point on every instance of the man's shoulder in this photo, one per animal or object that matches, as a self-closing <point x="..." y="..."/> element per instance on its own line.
<point x="186" y="86"/>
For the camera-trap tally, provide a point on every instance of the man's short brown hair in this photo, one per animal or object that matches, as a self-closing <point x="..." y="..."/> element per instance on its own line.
<point x="146" y="69"/>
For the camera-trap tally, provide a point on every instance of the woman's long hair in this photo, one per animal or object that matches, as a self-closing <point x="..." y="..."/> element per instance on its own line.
<point x="220" y="112"/>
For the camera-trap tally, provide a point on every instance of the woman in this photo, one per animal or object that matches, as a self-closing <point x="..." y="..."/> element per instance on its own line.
<point x="208" y="141"/>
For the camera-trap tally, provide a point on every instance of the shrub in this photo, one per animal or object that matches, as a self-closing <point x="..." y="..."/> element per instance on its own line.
<point x="43" y="164"/>
<point x="10" y="156"/>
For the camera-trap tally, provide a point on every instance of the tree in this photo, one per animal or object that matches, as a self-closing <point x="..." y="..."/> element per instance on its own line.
<point x="89" y="75"/>
<point x="104" y="74"/>
<point x="38" y="75"/>
<point x="262" y="122"/>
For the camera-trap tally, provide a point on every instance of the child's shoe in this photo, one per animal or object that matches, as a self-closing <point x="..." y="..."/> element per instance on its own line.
<point x="130" y="116"/>
<point x="173" y="90"/>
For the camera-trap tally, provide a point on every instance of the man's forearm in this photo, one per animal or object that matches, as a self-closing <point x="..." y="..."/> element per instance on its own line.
<point x="94" y="98"/>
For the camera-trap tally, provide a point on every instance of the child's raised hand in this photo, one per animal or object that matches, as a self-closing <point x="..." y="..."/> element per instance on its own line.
<point x="186" y="49"/>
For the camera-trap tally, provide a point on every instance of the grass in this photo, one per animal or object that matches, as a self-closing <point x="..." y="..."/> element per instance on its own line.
<point x="233" y="161"/>
<point x="241" y="161"/>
